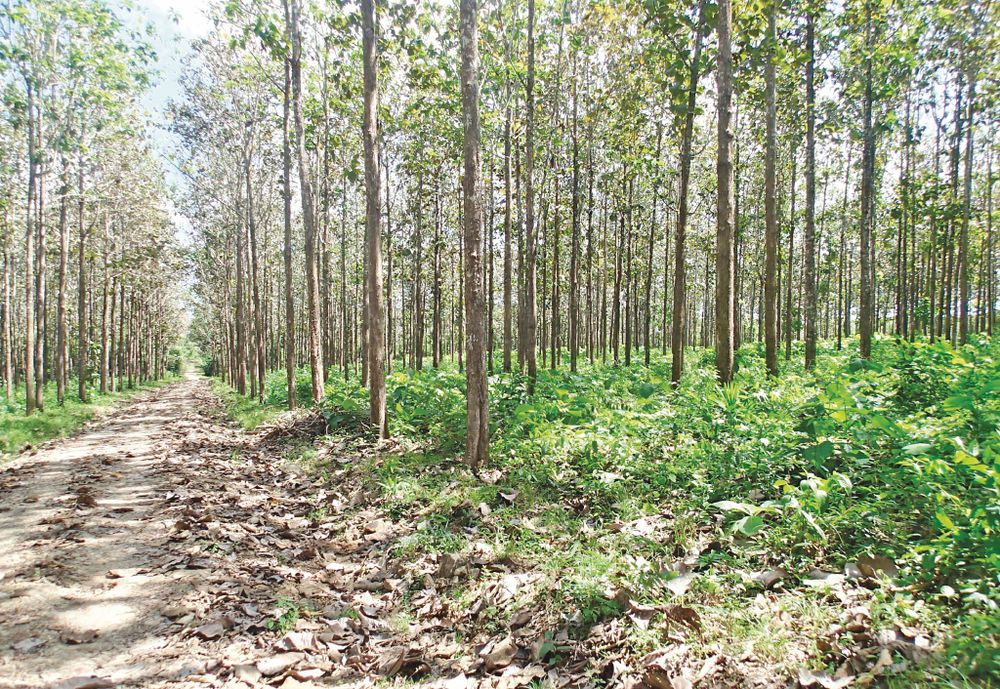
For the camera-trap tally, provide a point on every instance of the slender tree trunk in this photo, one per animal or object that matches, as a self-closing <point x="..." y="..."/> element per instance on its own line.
<point x="373" y="224"/>
<point x="809" y="242"/>
<point x="29" y="265"/>
<point x="866" y="319"/>
<point x="530" y="253"/>
<point x="677" y="327"/>
<point x="508" y="299"/>
<point x="81" y="303"/>
<point x="8" y="343"/>
<point x="725" y="267"/>
<point x="105" y="313"/>
<point x="62" y="328"/>
<point x="308" y="212"/>
<point x="286" y="181"/>
<point x="963" y="237"/>
<point x="477" y="404"/>
<point x="770" y="201"/>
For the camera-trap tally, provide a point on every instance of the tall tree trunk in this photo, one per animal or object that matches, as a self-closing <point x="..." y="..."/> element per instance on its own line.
<point x="62" y="328"/>
<point x="477" y="403"/>
<point x="286" y="181"/>
<point x="725" y="267"/>
<point x="105" y="312"/>
<point x="258" y="317"/>
<point x="963" y="237"/>
<point x="770" y="201"/>
<point x="29" y="265"/>
<point x="81" y="301"/>
<point x="574" y="256"/>
<point x="373" y="224"/>
<point x="677" y="327"/>
<point x="866" y="316"/>
<point x="308" y="211"/>
<point x="650" y="245"/>
<point x="508" y="290"/>
<point x="530" y="321"/>
<point x="809" y="242"/>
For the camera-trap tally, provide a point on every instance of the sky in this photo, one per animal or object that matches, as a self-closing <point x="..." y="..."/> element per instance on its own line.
<point x="176" y="24"/>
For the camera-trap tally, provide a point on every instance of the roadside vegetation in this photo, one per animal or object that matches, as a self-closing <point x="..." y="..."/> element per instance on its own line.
<point x="808" y="523"/>
<point x="19" y="432"/>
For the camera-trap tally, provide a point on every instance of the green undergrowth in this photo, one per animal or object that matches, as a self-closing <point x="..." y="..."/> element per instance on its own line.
<point x="17" y="431"/>
<point x="246" y="411"/>
<point x="606" y="478"/>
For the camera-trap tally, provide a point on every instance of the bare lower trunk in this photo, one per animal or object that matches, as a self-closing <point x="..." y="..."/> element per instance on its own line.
<point x="724" y="265"/>
<point x="770" y="205"/>
<point x="477" y="405"/>
<point x="373" y="224"/>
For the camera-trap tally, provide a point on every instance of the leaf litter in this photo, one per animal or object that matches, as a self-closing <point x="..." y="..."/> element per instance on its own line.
<point x="276" y="596"/>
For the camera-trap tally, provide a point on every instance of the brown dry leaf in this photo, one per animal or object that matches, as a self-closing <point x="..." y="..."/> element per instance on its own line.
<point x="679" y="585"/>
<point x="808" y="678"/>
<point x="247" y="672"/>
<point x="771" y="577"/>
<point x="520" y="618"/>
<point x="297" y="641"/>
<point x="870" y="566"/>
<point x="73" y="636"/>
<point x="29" y="644"/>
<point x="277" y="663"/>
<point x="684" y="615"/>
<point x="401" y="660"/>
<point x="498" y="654"/>
<point x="307" y="674"/>
<point x="92" y="682"/>
<point x="212" y="630"/>
<point x="123" y="573"/>
<point x="514" y="677"/>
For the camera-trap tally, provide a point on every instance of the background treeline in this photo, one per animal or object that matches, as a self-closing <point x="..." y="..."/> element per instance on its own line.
<point x="89" y="261"/>
<point x="880" y="183"/>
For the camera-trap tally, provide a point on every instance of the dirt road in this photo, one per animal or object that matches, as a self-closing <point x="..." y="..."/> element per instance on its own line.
<point x="163" y="548"/>
<point x="83" y="537"/>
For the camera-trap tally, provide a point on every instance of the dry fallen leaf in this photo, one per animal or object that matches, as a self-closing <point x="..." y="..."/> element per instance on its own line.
<point x="808" y="678"/>
<point x="499" y="654"/>
<point x="92" y="682"/>
<point x="277" y="663"/>
<point x="29" y="644"/>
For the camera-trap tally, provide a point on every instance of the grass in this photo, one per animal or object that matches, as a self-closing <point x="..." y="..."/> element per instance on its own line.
<point x="247" y="412"/>
<point x="18" y="432"/>
<point x="606" y="476"/>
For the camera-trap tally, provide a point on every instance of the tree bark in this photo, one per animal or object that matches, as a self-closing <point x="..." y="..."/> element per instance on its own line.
<point x="809" y="242"/>
<point x="677" y="324"/>
<point x="373" y="224"/>
<point x="477" y="404"/>
<point x="286" y="181"/>
<point x="724" y="261"/>
<point x="530" y="306"/>
<point x="308" y="210"/>
<point x="770" y="201"/>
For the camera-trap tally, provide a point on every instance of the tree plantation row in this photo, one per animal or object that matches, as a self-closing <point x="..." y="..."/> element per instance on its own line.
<point x="649" y="176"/>
<point x="89" y="260"/>
<point x="505" y="184"/>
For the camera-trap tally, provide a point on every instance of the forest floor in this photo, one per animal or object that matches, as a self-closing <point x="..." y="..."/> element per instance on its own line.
<point x="163" y="546"/>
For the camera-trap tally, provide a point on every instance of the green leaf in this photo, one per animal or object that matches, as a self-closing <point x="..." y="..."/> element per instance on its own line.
<point x="957" y="402"/>
<point x="645" y="390"/>
<point x="730" y="506"/>
<point x="917" y="449"/>
<point x="819" y="453"/>
<point x="749" y="525"/>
